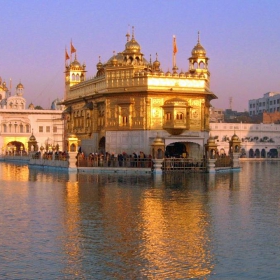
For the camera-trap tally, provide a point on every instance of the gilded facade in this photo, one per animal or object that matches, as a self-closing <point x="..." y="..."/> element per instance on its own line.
<point x="131" y="100"/>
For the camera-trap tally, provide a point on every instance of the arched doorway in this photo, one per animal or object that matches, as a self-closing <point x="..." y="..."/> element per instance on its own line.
<point x="263" y="153"/>
<point x="176" y="149"/>
<point x="222" y="152"/>
<point x="243" y="153"/>
<point x="257" y="153"/>
<point x="251" y="153"/>
<point x="72" y="147"/>
<point x="273" y="153"/>
<point x="15" y="147"/>
<point x="101" y="146"/>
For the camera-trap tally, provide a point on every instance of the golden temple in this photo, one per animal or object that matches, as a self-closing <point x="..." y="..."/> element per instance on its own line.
<point x="130" y="101"/>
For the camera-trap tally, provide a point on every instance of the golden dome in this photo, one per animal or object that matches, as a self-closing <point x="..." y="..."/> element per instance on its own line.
<point x="132" y="46"/>
<point x="31" y="106"/>
<point x="198" y="50"/>
<point x="156" y="64"/>
<point x="99" y="65"/>
<point x="75" y="63"/>
<point x="168" y="73"/>
<point x="158" y="141"/>
<point x="234" y="137"/>
<point x="211" y="140"/>
<point x="20" y="85"/>
<point x="32" y="138"/>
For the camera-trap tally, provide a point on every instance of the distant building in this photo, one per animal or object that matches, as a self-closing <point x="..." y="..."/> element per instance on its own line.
<point x="216" y="115"/>
<point x="20" y="126"/>
<point x="270" y="102"/>
<point x="271" y="117"/>
<point x="257" y="140"/>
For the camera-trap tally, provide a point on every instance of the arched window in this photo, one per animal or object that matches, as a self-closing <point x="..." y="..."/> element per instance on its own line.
<point x="168" y="116"/>
<point x="73" y="77"/>
<point x="73" y="148"/>
<point x="27" y="130"/>
<point x="77" y="78"/>
<point x="21" y="128"/>
<point x="4" y="128"/>
<point x="179" y="116"/>
<point x="124" y="120"/>
<point x="201" y="65"/>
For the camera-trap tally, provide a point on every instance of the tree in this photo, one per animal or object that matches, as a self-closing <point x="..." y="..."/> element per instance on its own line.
<point x="38" y="107"/>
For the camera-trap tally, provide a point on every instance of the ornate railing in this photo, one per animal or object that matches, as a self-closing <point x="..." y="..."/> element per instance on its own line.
<point x="184" y="164"/>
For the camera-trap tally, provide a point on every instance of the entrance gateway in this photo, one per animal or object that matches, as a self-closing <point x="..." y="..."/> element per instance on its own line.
<point x="186" y="148"/>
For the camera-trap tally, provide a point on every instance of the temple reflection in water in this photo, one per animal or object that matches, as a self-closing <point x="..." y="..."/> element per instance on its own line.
<point x="141" y="224"/>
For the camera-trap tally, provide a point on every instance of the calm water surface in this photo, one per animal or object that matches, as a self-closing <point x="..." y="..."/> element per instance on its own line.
<point x="176" y="226"/>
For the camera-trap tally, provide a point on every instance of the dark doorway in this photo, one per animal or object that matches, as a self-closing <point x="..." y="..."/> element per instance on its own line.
<point x="101" y="146"/>
<point x="175" y="150"/>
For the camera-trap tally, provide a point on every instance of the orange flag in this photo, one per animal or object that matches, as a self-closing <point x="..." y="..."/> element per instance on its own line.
<point x="73" y="50"/>
<point x="66" y="55"/>
<point x="175" y="50"/>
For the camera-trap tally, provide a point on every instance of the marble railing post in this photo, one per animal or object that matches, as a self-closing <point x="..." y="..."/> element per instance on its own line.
<point x="157" y="166"/>
<point x="72" y="161"/>
<point x="235" y="160"/>
<point x="211" y="165"/>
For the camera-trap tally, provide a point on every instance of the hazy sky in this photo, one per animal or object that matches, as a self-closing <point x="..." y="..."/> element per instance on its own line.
<point x="241" y="39"/>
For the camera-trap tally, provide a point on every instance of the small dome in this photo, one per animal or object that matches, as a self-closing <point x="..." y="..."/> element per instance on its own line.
<point x="156" y="64"/>
<point x="168" y="73"/>
<point x="182" y="74"/>
<point x="75" y="64"/>
<point x="99" y="65"/>
<point x="158" y="141"/>
<point x="20" y="85"/>
<point x="198" y="51"/>
<point x="31" y="106"/>
<point x="132" y="46"/>
<point x="234" y="137"/>
<point x="211" y="140"/>
<point x="32" y="138"/>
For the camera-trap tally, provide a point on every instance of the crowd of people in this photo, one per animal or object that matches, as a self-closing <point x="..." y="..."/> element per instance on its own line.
<point x="114" y="160"/>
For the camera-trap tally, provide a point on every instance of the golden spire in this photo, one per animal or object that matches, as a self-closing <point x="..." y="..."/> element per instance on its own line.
<point x="127" y="34"/>
<point x="132" y="33"/>
<point x="198" y="41"/>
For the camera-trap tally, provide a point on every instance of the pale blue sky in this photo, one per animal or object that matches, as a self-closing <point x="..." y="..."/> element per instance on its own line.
<point x="241" y="39"/>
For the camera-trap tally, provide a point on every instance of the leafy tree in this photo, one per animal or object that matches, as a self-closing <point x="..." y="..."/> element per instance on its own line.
<point x="38" y="107"/>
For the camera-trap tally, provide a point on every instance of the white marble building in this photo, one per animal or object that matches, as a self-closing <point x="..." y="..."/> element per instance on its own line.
<point x="257" y="140"/>
<point x="18" y="124"/>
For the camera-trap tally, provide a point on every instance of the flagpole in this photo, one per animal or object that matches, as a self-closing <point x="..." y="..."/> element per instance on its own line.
<point x="174" y="52"/>
<point x="71" y="51"/>
<point x="173" y="58"/>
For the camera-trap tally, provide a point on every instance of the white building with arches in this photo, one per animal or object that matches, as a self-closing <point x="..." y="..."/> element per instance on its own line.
<point x="18" y="124"/>
<point x="257" y="140"/>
